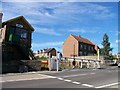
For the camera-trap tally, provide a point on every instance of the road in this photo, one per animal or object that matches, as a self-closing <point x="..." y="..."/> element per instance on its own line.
<point x="84" y="78"/>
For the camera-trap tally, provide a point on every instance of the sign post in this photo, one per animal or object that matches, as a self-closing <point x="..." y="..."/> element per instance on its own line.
<point x="49" y="62"/>
<point x="98" y="54"/>
<point x="58" y="59"/>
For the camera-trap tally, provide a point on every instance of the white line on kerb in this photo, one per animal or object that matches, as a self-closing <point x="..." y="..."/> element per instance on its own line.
<point x="107" y="85"/>
<point x="67" y="80"/>
<point x="76" y="82"/>
<point x="87" y="85"/>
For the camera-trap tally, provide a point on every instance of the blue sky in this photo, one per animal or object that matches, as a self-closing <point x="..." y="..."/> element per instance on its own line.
<point x="55" y="21"/>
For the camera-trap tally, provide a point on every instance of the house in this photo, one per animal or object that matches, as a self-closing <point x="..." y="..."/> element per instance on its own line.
<point x="46" y="52"/>
<point x="78" y="46"/>
<point x="1" y="14"/>
<point x="16" y="36"/>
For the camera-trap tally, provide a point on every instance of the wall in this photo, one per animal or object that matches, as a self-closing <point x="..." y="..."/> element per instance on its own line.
<point x="68" y="47"/>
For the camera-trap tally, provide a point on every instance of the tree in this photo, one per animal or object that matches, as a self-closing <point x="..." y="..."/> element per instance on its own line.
<point x="106" y="45"/>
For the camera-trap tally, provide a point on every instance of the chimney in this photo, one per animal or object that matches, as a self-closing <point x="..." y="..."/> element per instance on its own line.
<point x="1" y="14"/>
<point x="79" y="36"/>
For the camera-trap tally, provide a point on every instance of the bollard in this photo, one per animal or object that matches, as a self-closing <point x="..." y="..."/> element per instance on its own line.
<point x="88" y="64"/>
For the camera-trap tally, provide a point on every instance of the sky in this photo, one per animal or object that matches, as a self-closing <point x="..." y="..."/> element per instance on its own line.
<point x="55" y="21"/>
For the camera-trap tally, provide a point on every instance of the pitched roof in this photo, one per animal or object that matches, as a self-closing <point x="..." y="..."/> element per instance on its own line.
<point x="18" y="18"/>
<point x="48" y="50"/>
<point x="84" y="40"/>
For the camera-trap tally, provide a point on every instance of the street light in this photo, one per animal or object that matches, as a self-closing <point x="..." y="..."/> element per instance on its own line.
<point x="74" y="55"/>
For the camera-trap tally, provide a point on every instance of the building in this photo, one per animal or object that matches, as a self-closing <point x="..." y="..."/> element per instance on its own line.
<point x="1" y="14"/>
<point x="16" y="36"/>
<point x="78" y="46"/>
<point x="46" y="52"/>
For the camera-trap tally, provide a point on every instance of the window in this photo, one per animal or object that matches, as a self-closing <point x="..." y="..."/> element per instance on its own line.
<point x="81" y="46"/>
<point x="92" y="48"/>
<point x="85" y="53"/>
<point x="89" y="48"/>
<point x="84" y="46"/>
<point x="81" y="53"/>
<point x="12" y="30"/>
<point x="21" y="32"/>
<point x="23" y="35"/>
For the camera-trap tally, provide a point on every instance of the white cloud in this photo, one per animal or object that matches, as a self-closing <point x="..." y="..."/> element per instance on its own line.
<point x="47" y="31"/>
<point x="82" y="31"/>
<point x="53" y="13"/>
<point x="60" y="0"/>
<point x="117" y="41"/>
<point x="47" y="44"/>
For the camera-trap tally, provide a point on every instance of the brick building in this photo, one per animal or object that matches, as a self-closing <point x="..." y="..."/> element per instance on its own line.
<point x="78" y="46"/>
<point x="46" y="52"/>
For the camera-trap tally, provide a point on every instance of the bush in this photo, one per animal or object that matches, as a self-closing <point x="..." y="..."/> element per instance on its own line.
<point x="42" y="58"/>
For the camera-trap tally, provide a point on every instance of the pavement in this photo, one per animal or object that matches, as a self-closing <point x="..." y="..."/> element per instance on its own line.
<point x="76" y="78"/>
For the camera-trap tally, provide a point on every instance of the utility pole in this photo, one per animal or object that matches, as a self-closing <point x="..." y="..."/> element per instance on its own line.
<point x="98" y="54"/>
<point x="98" y="63"/>
<point x="49" y="62"/>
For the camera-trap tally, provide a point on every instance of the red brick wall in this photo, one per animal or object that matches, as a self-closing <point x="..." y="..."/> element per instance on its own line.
<point x="68" y="47"/>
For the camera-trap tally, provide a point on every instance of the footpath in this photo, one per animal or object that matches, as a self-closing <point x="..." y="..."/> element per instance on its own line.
<point x="10" y="77"/>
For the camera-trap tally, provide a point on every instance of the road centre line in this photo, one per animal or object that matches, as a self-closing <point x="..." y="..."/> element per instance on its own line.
<point x="74" y="75"/>
<point x="76" y="82"/>
<point x="108" y="85"/>
<point x="60" y="78"/>
<point x="92" y="73"/>
<point x="67" y="80"/>
<point x="78" y="75"/>
<point x="87" y="85"/>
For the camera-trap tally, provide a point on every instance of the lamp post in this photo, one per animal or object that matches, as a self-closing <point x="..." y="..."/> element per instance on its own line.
<point x="74" y="55"/>
<point x="74" y="50"/>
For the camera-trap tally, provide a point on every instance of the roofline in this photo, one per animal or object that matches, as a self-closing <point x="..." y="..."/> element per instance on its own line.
<point x="84" y="42"/>
<point x="19" y="17"/>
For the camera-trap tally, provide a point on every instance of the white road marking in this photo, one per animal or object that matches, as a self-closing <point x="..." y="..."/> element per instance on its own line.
<point x="108" y="85"/>
<point x="31" y="78"/>
<point x="76" y="82"/>
<point x="92" y="73"/>
<point x="75" y="75"/>
<point x="87" y="85"/>
<point x="47" y="76"/>
<point x="21" y="80"/>
<point x="60" y="78"/>
<point x="67" y="80"/>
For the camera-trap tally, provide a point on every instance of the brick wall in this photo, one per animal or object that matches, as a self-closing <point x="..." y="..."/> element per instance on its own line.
<point x="69" y="48"/>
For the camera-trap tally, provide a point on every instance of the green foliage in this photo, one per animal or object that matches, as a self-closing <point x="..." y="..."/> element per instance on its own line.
<point x="106" y="46"/>
<point x="42" y="58"/>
